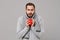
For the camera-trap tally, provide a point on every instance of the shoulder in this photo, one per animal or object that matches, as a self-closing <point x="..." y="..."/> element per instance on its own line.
<point x="39" y="17"/>
<point x="20" y="18"/>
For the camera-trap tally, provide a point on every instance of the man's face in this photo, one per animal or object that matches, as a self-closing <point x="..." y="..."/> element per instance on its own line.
<point x="30" y="10"/>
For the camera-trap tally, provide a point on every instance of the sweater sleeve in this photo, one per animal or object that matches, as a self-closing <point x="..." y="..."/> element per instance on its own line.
<point x="20" y="30"/>
<point x="40" y="32"/>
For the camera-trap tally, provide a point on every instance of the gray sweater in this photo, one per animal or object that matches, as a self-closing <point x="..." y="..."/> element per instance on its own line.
<point x="35" y="32"/>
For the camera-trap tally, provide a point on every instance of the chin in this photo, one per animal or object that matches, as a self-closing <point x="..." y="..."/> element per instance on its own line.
<point x="29" y="16"/>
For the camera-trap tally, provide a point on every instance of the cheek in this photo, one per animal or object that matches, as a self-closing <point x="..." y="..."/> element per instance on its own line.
<point x="28" y="11"/>
<point x="32" y="12"/>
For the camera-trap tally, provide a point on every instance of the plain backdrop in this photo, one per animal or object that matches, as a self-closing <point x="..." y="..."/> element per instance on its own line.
<point x="10" y="10"/>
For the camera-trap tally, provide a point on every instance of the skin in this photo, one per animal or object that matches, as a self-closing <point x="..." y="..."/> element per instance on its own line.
<point x="30" y="10"/>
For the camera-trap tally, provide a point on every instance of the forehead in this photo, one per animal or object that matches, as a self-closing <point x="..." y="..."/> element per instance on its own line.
<point x="30" y="7"/>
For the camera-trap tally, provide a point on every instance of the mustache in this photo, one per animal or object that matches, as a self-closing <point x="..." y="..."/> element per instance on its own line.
<point x="30" y="14"/>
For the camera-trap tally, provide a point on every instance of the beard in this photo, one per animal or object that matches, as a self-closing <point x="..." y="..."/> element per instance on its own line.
<point x="30" y="14"/>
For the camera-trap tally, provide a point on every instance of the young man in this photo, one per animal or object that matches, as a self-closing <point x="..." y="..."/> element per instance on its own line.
<point x="33" y="32"/>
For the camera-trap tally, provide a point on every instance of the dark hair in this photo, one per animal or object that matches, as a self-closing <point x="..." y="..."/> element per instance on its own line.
<point x="30" y="4"/>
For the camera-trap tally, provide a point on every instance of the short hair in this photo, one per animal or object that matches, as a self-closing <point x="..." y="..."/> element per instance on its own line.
<point x="30" y="4"/>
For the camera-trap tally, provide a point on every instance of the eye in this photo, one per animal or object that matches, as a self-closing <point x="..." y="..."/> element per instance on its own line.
<point x="31" y="9"/>
<point x="28" y="9"/>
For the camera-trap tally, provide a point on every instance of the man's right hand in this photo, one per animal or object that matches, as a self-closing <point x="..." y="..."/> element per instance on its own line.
<point x="29" y="22"/>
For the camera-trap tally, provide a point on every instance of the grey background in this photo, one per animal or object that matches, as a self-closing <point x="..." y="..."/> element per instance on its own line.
<point x="10" y="10"/>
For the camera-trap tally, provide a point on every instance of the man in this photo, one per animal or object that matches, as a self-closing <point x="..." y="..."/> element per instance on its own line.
<point x="33" y="32"/>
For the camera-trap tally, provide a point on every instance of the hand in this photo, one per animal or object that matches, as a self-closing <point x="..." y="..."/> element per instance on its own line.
<point x="27" y="23"/>
<point x="33" y="22"/>
<point x="30" y="21"/>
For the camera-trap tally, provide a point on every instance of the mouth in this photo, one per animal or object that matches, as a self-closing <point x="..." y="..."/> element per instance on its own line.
<point x="30" y="14"/>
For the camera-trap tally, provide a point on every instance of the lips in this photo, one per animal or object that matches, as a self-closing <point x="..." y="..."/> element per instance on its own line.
<point x="30" y="13"/>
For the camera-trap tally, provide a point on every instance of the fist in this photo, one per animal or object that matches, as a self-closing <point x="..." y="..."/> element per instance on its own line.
<point x="30" y="22"/>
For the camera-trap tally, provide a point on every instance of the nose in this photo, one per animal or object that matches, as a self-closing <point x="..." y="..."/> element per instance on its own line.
<point x="30" y="11"/>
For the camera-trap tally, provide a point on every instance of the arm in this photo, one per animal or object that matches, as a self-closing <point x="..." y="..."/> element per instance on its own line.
<point x="20" y="30"/>
<point x="41" y="23"/>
